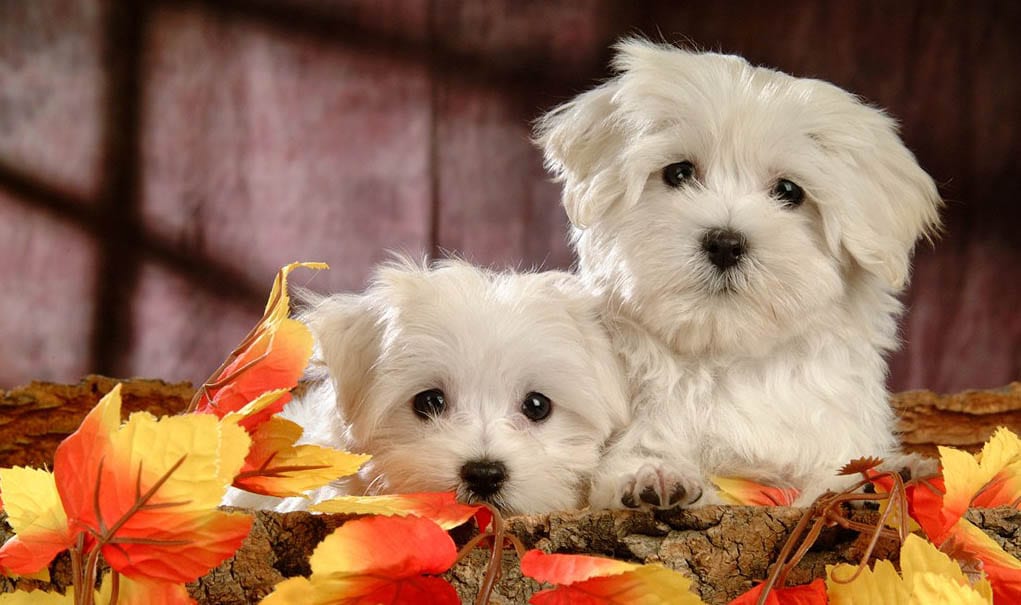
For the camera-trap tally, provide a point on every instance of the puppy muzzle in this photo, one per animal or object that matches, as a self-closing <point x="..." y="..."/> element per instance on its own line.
<point x="724" y="247"/>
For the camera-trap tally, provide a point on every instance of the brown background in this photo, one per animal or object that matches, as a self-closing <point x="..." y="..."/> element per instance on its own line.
<point x="159" y="160"/>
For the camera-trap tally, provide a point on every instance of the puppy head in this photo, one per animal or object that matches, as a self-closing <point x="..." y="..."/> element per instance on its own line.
<point x="501" y="387"/>
<point x="729" y="202"/>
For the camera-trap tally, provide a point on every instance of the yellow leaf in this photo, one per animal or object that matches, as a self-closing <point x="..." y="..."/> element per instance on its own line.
<point x="749" y="493"/>
<point x="148" y="490"/>
<point x="37" y="597"/>
<point x="934" y="589"/>
<point x="920" y="562"/>
<point x="291" y="591"/>
<point x="442" y="507"/>
<point x="918" y="556"/>
<point x="277" y="467"/>
<point x="36" y="515"/>
<point x="967" y="476"/>
<point x="210" y="454"/>
<point x="277" y="306"/>
<point x="259" y="404"/>
<point x="879" y="586"/>
<point x="143" y="591"/>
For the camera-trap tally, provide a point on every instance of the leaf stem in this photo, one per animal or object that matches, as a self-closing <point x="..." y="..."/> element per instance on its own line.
<point x="495" y="559"/>
<point x="115" y="586"/>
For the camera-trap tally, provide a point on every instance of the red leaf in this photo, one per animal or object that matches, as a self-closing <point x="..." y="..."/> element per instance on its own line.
<point x="806" y="594"/>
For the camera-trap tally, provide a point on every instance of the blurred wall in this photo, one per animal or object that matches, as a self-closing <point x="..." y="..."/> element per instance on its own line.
<point x="159" y="160"/>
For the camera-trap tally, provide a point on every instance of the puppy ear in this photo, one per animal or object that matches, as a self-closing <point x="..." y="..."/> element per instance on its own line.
<point x="583" y="141"/>
<point x="883" y="201"/>
<point x="347" y="342"/>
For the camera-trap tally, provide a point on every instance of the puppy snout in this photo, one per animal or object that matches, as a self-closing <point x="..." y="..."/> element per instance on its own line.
<point x="724" y="247"/>
<point x="484" y="477"/>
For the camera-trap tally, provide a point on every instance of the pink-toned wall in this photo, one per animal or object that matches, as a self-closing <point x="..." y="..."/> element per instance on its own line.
<point x="160" y="159"/>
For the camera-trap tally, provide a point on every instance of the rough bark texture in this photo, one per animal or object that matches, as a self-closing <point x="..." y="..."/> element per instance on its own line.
<point x="723" y="549"/>
<point x="36" y="417"/>
<point x="964" y="420"/>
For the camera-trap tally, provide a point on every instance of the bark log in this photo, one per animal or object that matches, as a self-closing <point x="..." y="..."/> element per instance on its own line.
<point x="723" y="549"/>
<point x="36" y="417"/>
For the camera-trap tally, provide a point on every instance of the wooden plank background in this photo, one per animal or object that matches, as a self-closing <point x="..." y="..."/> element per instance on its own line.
<point x="159" y="159"/>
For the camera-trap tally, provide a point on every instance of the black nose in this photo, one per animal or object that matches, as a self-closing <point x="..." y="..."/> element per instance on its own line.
<point x="724" y="247"/>
<point x="483" y="477"/>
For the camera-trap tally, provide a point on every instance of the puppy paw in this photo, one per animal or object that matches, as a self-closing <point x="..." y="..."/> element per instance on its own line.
<point x="656" y="486"/>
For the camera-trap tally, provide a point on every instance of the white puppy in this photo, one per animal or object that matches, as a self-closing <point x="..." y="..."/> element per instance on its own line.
<point x="749" y="231"/>
<point x="502" y="387"/>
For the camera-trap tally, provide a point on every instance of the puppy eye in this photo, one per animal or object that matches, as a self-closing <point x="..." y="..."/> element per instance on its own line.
<point x="789" y="193"/>
<point x="536" y="407"/>
<point x="429" y="404"/>
<point x="678" y="173"/>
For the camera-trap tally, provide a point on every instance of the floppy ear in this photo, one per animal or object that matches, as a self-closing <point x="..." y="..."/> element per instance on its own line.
<point x="585" y="307"/>
<point x="347" y="342"/>
<point x="883" y="200"/>
<point x="582" y="141"/>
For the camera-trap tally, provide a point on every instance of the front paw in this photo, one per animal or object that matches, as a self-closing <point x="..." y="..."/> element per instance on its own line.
<point x="655" y="485"/>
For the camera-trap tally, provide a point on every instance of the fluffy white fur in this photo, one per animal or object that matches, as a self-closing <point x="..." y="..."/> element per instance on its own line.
<point x="486" y="339"/>
<point x="773" y="370"/>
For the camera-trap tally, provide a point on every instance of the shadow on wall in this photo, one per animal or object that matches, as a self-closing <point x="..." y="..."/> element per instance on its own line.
<point x="159" y="159"/>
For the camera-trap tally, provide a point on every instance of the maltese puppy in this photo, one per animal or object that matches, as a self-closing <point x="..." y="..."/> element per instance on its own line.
<point x="501" y="387"/>
<point x="749" y="232"/>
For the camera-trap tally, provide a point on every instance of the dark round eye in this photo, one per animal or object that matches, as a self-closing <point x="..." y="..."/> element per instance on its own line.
<point x="678" y="173"/>
<point x="536" y="407"/>
<point x="429" y="404"/>
<point x="789" y="193"/>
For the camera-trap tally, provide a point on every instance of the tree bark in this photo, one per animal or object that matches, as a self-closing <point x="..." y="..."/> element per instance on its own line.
<point x="723" y="549"/>
<point x="36" y="417"/>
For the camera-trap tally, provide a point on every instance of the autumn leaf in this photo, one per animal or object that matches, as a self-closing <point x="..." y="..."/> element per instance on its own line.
<point x="37" y="597"/>
<point x="990" y="478"/>
<point x="376" y="560"/>
<point x="130" y="592"/>
<point x="965" y="541"/>
<point x="924" y="571"/>
<point x="746" y="492"/>
<point x="596" y="580"/>
<point x="277" y="467"/>
<point x="37" y="517"/>
<point x="442" y="508"/>
<point x="813" y="593"/>
<point x="273" y="356"/>
<point x="147" y="490"/>
<point x="144" y="591"/>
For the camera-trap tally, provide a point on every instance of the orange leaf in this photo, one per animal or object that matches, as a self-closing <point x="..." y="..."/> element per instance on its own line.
<point x="277" y="467"/>
<point x="273" y="356"/>
<point x="813" y="593"/>
<point x="392" y="546"/>
<point x="145" y="592"/>
<point x="600" y="581"/>
<point x="1001" y="568"/>
<point x="376" y="560"/>
<point x="368" y="590"/>
<point x="442" y="508"/>
<point x="567" y="569"/>
<point x="147" y="491"/>
<point x="37" y="517"/>
<point x="746" y="492"/>
<point x="276" y="359"/>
